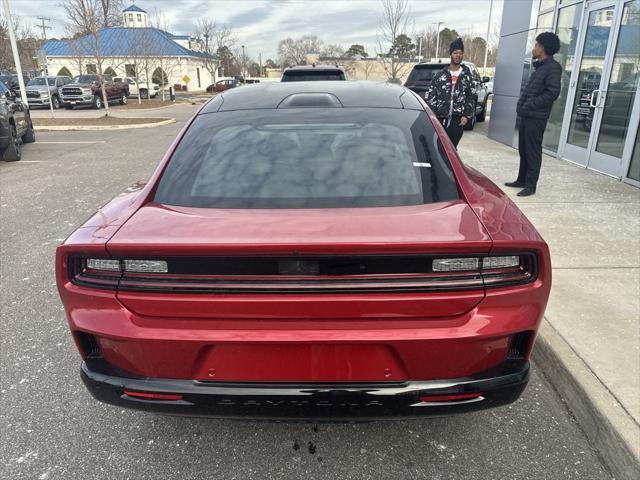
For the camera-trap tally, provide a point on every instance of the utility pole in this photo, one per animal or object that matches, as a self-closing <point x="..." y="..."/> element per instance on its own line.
<point x="43" y="26"/>
<point x="43" y="58"/>
<point x="260" y="62"/>
<point x="486" y="47"/>
<point x="438" y="39"/>
<point x="14" y="49"/>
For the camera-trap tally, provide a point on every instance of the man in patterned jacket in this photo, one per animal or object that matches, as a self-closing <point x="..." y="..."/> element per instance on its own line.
<point x="450" y="94"/>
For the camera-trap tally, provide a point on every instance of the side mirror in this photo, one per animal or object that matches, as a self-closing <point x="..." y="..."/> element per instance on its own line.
<point x="11" y="94"/>
<point x="486" y="79"/>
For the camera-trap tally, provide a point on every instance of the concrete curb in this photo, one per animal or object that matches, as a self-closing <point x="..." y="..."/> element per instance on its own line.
<point x="609" y="428"/>
<point x="61" y="128"/>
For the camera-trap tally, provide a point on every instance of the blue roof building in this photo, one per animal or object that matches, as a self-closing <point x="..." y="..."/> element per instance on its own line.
<point x="180" y="58"/>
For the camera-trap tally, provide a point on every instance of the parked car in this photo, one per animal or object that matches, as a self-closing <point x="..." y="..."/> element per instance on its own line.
<point x="16" y="127"/>
<point x="489" y="85"/>
<point x="146" y="90"/>
<point x="422" y="73"/>
<point x="11" y="82"/>
<point x="307" y="251"/>
<point x="38" y="92"/>
<point x="222" y="85"/>
<point x="86" y="90"/>
<point x="309" y="73"/>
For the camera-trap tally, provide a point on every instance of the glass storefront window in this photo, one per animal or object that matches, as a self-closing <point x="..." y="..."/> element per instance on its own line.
<point x="591" y="69"/>
<point x="545" y="22"/>
<point x="634" y="167"/>
<point x="547" y="4"/>
<point x="567" y="30"/>
<point x="623" y="83"/>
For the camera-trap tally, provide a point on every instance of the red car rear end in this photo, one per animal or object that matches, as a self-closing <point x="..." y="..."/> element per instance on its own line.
<point x="300" y="255"/>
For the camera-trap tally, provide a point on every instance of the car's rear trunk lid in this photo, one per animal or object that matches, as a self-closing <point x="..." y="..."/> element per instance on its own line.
<point x="307" y="263"/>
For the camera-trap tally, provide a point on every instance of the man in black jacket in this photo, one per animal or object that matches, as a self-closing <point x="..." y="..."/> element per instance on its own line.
<point x="534" y="108"/>
<point x="450" y="94"/>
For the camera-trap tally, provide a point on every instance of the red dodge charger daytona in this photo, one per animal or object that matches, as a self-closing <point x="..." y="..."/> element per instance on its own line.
<point x="307" y="250"/>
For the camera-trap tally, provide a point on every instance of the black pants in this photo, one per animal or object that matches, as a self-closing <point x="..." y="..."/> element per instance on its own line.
<point x="453" y="128"/>
<point x="530" y="149"/>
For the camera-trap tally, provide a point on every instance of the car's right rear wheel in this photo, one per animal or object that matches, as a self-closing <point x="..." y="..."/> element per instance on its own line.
<point x="13" y="152"/>
<point x="144" y="94"/>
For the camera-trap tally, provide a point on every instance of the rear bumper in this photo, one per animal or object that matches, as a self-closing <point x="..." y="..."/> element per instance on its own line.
<point x="498" y="386"/>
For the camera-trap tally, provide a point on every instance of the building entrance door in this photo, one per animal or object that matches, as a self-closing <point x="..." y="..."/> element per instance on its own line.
<point x="604" y="114"/>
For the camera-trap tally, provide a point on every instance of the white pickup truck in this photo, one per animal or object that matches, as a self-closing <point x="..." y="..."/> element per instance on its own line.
<point x="146" y="90"/>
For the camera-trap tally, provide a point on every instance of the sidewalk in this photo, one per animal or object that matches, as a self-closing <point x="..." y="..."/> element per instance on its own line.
<point x="589" y="343"/>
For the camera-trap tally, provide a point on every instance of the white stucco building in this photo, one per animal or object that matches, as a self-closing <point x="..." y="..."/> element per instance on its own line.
<point x="167" y="58"/>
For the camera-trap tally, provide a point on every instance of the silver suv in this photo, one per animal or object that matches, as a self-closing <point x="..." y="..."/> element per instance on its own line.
<point x="38" y="92"/>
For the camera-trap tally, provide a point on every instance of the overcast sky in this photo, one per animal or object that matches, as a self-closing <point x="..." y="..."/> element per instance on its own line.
<point x="261" y="24"/>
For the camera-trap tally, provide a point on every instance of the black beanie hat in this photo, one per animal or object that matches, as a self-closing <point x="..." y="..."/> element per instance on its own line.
<point x="550" y="42"/>
<point x="456" y="45"/>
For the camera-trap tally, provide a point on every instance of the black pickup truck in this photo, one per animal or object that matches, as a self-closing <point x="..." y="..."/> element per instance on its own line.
<point x="15" y="125"/>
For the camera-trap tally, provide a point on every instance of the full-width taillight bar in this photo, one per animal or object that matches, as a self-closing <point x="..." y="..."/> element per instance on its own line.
<point x="441" y="273"/>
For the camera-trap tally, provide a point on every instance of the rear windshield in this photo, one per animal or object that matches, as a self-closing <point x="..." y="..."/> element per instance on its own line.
<point x="312" y="76"/>
<point x="423" y="74"/>
<point x="308" y="158"/>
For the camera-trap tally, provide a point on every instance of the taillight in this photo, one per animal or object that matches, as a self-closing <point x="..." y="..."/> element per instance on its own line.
<point x="496" y="270"/>
<point x="106" y="273"/>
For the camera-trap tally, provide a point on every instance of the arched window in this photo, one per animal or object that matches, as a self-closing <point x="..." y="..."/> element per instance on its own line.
<point x="159" y="77"/>
<point x="64" y="72"/>
<point x="110" y="71"/>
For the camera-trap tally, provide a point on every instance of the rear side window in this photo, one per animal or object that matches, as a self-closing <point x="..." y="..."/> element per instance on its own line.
<point x="308" y="158"/>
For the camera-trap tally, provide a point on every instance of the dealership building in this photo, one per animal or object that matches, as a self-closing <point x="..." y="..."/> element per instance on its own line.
<point x="594" y="122"/>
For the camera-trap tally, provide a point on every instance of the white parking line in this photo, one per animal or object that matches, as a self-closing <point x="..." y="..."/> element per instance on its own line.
<point x="29" y="161"/>
<point x="94" y="141"/>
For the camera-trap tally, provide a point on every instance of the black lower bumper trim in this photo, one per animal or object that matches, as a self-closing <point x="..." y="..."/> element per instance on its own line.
<point x="338" y="401"/>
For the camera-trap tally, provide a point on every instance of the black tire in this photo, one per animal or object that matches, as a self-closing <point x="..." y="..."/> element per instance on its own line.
<point x="472" y="121"/>
<point x="55" y="101"/>
<point x="30" y="134"/>
<point x="13" y="152"/>
<point x="144" y="94"/>
<point x="123" y="99"/>
<point x="97" y="102"/>
<point x="482" y="115"/>
<point x="68" y="106"/>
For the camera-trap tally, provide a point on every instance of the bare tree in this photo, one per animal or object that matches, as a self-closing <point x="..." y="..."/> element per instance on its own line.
<point x="88" y="17"/>
<point x="106" y="13"/>
<point x="395" y="22"/>
<point x="332" y="50"/>
<point x="212" y="36"/>
<point x="294" y="52"/>
<point x="368" y="67"/>
<point x="28" y="44"/>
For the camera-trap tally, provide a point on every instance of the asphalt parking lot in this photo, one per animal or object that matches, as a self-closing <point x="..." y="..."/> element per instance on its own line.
<point x="53" y="429"/>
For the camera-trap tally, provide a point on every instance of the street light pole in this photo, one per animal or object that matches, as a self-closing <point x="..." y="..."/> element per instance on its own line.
<point x="244" y="60"/>
<point x="486" y="46"/>
<point x="438" y="39"/>
<point x="14" y="49"/>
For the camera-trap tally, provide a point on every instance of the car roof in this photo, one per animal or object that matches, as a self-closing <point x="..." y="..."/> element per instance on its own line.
<point x="269" y="95"/>
<point x="314" y="68"/>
